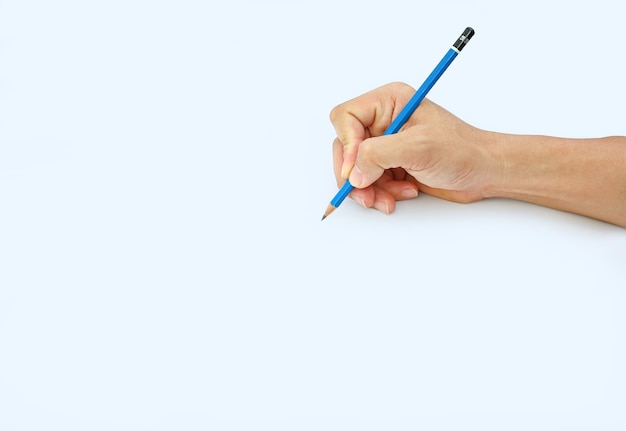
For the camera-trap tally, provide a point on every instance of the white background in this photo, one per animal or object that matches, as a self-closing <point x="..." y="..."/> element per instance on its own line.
<point x="163" y="169"/>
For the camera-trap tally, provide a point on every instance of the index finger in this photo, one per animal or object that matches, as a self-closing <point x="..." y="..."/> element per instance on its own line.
<point x="366" y="116"/>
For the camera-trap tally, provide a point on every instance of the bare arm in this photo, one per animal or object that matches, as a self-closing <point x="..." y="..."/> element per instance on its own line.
<point x="583" y="176"/>
<point x="439" y="154"/>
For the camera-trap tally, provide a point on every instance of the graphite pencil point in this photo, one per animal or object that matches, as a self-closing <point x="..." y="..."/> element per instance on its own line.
<point x="328" y="211"/>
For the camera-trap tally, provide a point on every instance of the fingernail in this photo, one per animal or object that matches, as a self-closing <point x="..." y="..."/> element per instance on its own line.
<point x="382" y="206"/>
<point x="359" y="200"/>
<point x="356" y="177"/>
<point x="408" y="193"/>
<point x="345" y="170"/>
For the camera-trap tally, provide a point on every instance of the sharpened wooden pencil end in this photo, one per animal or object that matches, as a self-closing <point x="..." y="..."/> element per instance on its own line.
<point x="328" y="211"/>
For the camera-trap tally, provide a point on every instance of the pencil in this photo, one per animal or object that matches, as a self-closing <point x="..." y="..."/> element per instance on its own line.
<point x="410" y="107"/>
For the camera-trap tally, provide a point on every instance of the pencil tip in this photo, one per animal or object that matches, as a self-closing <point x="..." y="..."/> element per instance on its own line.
<point x="329" y="210"/>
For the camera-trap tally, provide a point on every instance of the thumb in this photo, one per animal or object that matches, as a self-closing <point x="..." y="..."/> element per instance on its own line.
<point x="374" y="156"/>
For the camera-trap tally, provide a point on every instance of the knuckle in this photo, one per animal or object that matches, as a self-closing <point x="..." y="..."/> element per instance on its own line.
<point x="367" y="151"/>
<point x="335" y="113"/>
<point x="399" y="86"/>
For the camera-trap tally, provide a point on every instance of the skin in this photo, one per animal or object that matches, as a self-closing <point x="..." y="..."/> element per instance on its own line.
<point x="441" y="155"/>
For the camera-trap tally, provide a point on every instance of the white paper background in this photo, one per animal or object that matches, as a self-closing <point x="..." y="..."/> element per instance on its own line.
<point x="163" y="169"/>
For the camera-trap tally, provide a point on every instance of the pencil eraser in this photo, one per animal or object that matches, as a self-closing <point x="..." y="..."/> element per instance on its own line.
<point x="463" y="39"/>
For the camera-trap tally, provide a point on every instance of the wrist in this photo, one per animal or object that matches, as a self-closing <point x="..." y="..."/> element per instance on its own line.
<point x="517" y="170"/>
<point x="494" y="181"/>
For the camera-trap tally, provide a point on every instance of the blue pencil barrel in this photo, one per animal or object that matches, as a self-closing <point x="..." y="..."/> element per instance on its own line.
<point x="414" y="102"/>
<point x="405" y="114"/>
<point x="421" y="92"/>
<point x="343" y="193"/>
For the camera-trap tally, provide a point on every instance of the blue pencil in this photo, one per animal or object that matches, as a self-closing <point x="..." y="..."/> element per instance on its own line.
<point x="410" y="107"/>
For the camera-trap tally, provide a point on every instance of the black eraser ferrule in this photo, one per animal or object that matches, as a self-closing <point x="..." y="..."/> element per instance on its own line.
<point x="463" y="39"/>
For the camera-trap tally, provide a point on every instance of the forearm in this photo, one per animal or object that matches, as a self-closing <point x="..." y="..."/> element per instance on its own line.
<point x="583" y="176"/>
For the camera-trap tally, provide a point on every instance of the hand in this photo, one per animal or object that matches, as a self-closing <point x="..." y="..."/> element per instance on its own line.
<point x="434" y="152"/>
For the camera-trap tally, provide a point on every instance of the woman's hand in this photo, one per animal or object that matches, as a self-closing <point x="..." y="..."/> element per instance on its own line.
<point x="434" y="152"/>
